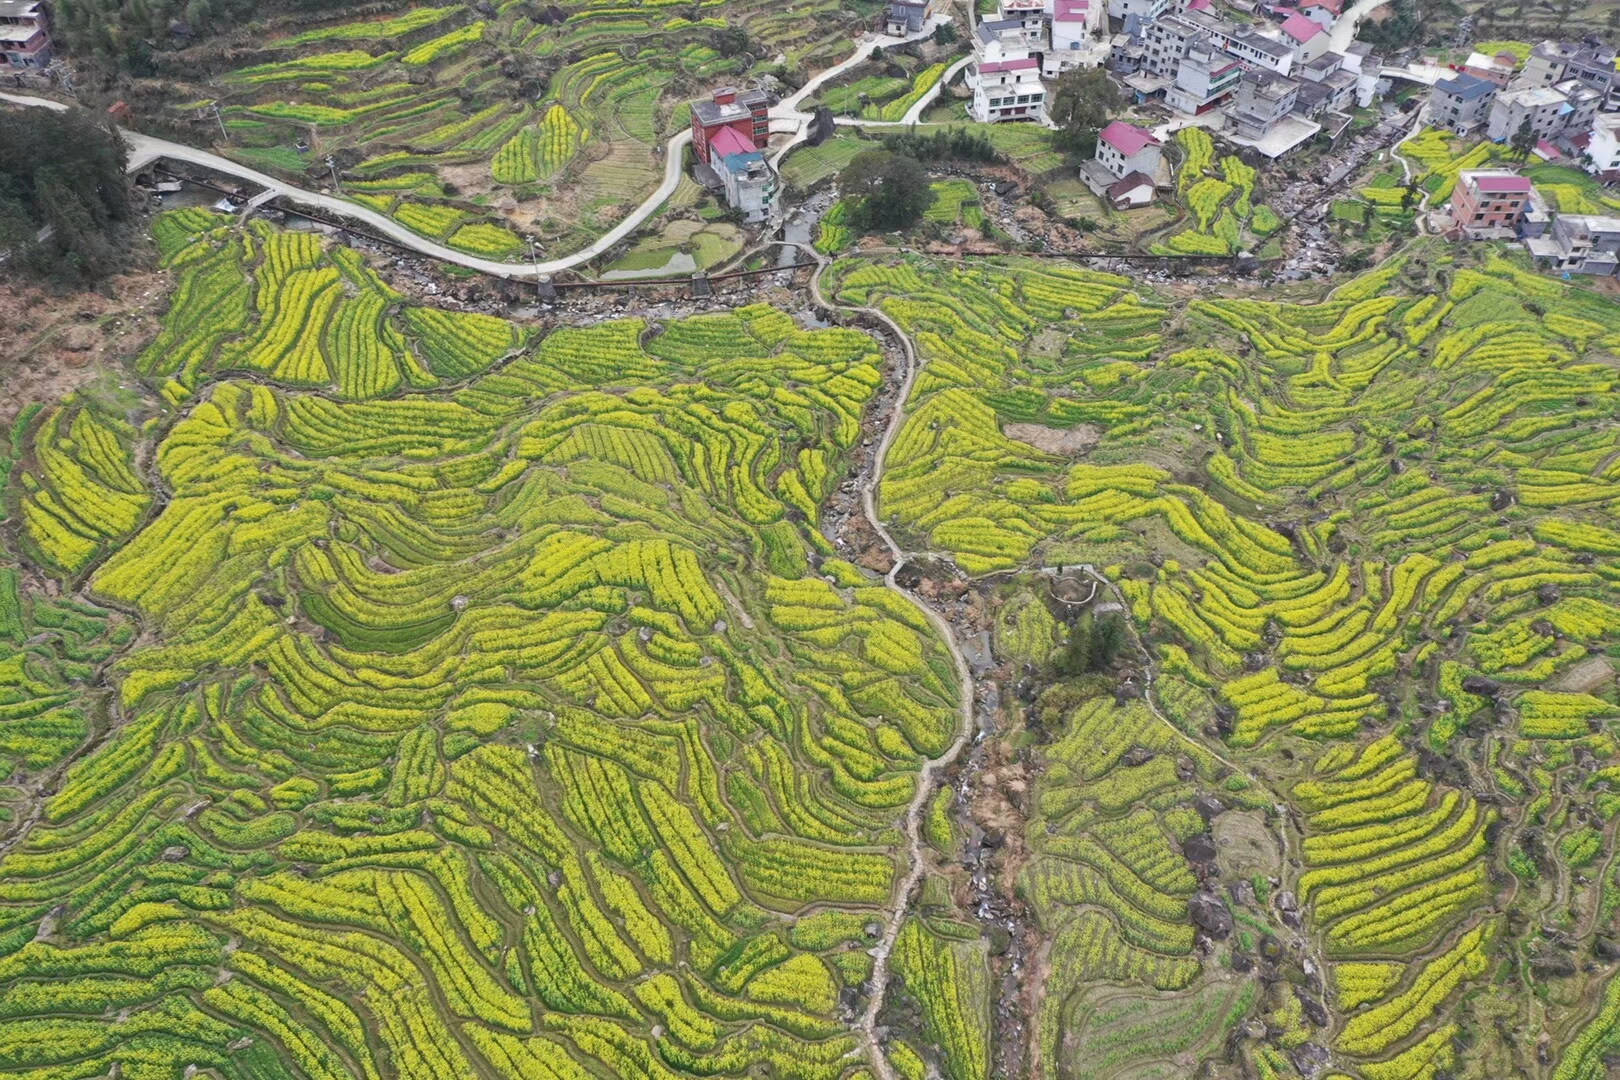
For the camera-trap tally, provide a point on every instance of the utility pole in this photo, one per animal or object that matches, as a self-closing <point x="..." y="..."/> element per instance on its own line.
<point x="224" y="136"/>
<point x="534" y="257"/>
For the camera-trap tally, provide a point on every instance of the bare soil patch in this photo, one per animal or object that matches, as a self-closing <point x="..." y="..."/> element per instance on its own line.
<point x="1063" y="442"/>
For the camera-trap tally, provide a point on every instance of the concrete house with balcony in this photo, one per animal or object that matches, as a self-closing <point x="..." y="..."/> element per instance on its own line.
<point x="1490" y="203"/>
<point x="1578" y="244"/>
<point x="1007" y="90"/>
<point x="1462" y="103"/>
<point x="25" y="36"/>
<point x="1205" y="79"/>
<point x="906" y="17"/>
<point x="1544" y="107"/>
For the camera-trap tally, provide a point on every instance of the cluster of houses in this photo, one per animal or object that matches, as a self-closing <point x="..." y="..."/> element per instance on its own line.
<point x="1275" y="81"/>
<point x="1501" y="205"/>
<point x="1568" y="94"/>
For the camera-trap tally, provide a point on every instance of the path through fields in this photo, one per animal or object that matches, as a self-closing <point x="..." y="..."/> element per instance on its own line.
<point x="145" y="149"/>
<point x="925" y="778"/>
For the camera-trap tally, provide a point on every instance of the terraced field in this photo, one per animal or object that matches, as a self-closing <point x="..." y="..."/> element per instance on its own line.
<point x="433" y="699"/>
<point x="478" y="129"/>
<point x="1366" y="543"/>
<point x="399" y="691"/>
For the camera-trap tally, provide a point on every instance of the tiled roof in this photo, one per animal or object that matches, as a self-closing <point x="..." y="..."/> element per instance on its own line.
<point x="1026" y="64"/>
<point x="1300" y="28"/>
<point x="1466" y="86"/>
<point x="728" y="140"/>
<point x="1127" y="138"/>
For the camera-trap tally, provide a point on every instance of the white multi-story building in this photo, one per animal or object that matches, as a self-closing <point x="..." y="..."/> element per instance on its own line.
<point x="1604" y="146"/>
<point x="1205" y="78"/>
<point x="1125" y="148"/>
<point x="1078" y="39"/>
<point x="1007" y="90"/>
<point x="1145" y="10"/>
<point x="1543" y="106"/>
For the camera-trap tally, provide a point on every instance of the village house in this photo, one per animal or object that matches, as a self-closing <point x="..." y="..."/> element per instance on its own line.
<point x="25" y="36"/>
<point x="1490" y="202"/>
<point x="907" y="17"/>
<point x="1578" y="244"/>
<point x="1130" y="191"/>
<point x="1461" y="103"/>
<point x="1603" y="147"/>
<point x="746" y="113"/>
<point x="1078" y="37"/>
<point x="1006" y="90"/>
<point x="1496" y="69"/>
<point x="749" y="183"/>
<point x="1545" y="107"/>
<point x="1322" y="12"/>
<point x="1308" y="38"/>
<point x="1125" y="148"/>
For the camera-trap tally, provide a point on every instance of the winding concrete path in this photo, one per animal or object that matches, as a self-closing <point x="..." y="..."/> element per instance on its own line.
<point x="145" y="149"/>
<point x="913" y="114"/>
<point x="786" y="116"/>
<point x="913" y="825"/>
<point x="1344" y="30"/>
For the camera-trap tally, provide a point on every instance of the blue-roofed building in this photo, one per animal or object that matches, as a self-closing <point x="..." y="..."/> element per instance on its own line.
<point x="1462" y="103"/>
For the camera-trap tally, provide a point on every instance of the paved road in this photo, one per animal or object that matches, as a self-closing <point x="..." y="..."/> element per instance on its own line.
<point x="913" y="114"/>
<point x="788" y="119"/>
<point x="145" y="149"/>
<point x="1344" y="31"/>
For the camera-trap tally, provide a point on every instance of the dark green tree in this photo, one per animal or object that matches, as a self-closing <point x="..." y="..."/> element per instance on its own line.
<point x="64" y="171"/>
<point x="892" y="189"/>
<point x="1523" y="141"/>
<point x="1093" y="645"/>
<point x="1080" y="104"/>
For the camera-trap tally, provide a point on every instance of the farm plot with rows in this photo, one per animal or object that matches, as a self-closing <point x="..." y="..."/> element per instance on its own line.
<point x="408" y="695"/>
<point x="478" y="128"/>
<point x="1369" y="545"/>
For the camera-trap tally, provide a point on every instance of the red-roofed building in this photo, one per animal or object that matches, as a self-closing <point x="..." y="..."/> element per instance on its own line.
<point x="1007" y="90"/>
<point x="1305" y="36"/>
<point x="1125" y="148"/>
<point x="1489" y="202"/>
<point x="745" y="113"/>
<point x="1079" y="37"/>
<point x="1198" y="5"/>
